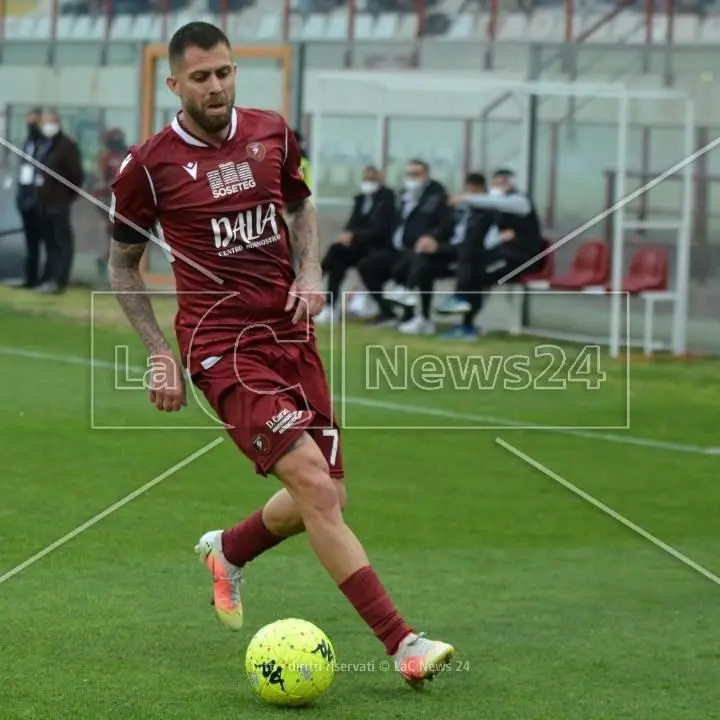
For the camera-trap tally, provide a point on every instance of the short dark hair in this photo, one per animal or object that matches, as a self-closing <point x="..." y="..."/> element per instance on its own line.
<point x="421" y="163"/>
<point x="195" y="34"/>
<point x="475" y="178"/>
<point x="504" y="172"/>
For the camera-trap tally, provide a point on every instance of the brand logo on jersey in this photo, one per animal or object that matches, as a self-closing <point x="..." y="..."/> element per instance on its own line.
<point x="191" y="169"/>
<point x="250" y="229"/>
<point x="256" y="150"/>
<point x="230" y="178"/>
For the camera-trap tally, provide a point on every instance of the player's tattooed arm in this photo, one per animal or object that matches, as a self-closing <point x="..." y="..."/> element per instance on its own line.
<point x="304" y="237"/>
<point x="126" y="280"/>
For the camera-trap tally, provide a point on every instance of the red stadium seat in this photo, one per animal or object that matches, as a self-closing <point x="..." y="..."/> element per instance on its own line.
<point x="543" y="269"/>
<point x="590" y="267"/>
<point x="648" y="271"/>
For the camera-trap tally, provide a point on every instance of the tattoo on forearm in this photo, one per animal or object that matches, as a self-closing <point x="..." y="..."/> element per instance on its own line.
<point x="303" y="224"/>
<point x="126" y="281"/>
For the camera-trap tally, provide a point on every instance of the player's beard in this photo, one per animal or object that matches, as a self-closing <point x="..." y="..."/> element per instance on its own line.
<point x="210" y="123"/>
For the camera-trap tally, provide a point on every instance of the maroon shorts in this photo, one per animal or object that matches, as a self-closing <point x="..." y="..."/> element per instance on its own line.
<point x="268" y="397"/>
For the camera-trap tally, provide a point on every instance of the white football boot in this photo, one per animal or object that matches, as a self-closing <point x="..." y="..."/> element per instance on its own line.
<point x="227" y="579"/>
<point x="419" y="659"/>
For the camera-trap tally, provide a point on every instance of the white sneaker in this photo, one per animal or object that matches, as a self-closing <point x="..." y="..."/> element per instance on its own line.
<point x="418" y="326"/>
<point x="361" y="305"/>
<point x="402" y="296"/>
<point x="326" y="316"/>
<point x="227" y="579"/>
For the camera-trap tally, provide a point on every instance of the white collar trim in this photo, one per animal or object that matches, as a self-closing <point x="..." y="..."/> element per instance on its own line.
<point x="233" y="124"/>
<point x="186" y="137"/>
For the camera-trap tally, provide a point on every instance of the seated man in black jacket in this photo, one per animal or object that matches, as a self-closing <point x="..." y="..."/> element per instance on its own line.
<point x="367" y="230"/>
<point x="420" y="219"/>
<point x="513" y="240"/>
<point x="437" y="257"/>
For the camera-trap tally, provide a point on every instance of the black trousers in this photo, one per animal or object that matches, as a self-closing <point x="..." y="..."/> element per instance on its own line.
<point x="33" y="230"/>
<point x="426" y="269"/>
<point x="377" y="268"/>
<point x="60" y="244"/>
<point x="418" y="271"/>
<point x="338" y="260"/>
<point x="479" y="270"/>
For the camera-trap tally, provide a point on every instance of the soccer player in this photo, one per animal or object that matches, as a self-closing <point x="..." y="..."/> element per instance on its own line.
<point x="222" y="186"/>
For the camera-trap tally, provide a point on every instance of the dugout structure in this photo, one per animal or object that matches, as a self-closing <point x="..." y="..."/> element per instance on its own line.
<point x="468" y="97"/>
<point x="264" y="74"/>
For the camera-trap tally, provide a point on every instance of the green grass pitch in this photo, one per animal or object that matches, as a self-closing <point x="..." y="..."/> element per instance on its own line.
<point x="557" y="611"/>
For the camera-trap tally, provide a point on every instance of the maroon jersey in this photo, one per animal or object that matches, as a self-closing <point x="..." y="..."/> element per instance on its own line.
<point x="220" y="210"/>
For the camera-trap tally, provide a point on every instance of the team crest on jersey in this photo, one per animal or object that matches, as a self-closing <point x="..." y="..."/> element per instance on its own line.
<point x="256" y="150"/>
<point x="230" y="178"/>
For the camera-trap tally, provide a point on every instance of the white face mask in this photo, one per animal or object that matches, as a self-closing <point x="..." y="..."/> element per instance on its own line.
<point x="413" y="184"/>
<point x="497" y="191"/>
<point x="369" y="187"/>
<point x="50" y="129"/>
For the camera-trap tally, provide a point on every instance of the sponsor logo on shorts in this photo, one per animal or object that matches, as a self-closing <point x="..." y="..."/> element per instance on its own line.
<point x="230" y="178"/>
<point x="285" y="420"/>
<point x="261" y="444"/>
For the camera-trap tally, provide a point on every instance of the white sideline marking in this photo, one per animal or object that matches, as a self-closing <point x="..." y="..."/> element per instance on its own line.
<point x="415" y="409"/>
<point x="115" y="506"/>
<point x="609" y="511"/>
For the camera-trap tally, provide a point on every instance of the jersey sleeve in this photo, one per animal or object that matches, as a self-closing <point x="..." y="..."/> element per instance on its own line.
<point x="133" y="202"/>
<point x="294" y="187"/>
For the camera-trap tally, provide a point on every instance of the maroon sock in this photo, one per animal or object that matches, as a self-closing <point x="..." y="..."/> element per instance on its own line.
<point x="247" y="540"/>
<point x="367" y="595"/>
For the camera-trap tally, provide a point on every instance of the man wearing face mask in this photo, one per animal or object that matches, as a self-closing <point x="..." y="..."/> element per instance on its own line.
<point x="27" y="199"/>
<point x="421" y="218"/>
<point x="436" y="258"/>
<point x="368" y="230"/>
<point x="60" y="154"/>
<point x="514" y="240"/>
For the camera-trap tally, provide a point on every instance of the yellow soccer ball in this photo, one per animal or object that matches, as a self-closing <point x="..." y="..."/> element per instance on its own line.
<point x="290" y="662"/>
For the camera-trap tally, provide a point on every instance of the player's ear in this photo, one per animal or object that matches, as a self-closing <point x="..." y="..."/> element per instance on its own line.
<point x="173" y="84"/>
